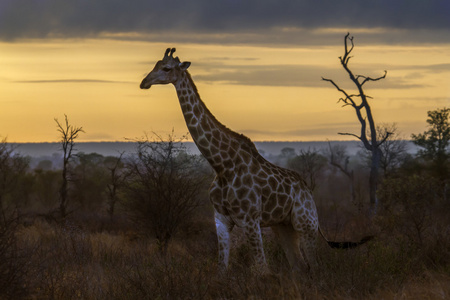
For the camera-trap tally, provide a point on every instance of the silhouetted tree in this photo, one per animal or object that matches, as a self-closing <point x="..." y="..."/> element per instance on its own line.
<point x="364" y="115"/>
<point x="89" y="178"/>
<point x="393" y="150"/>
<point x="69" y="134"/>
<point x="117" y="176"/>
<point x="12" y="167"/>
<point x="308" y="164"/>
<point x="164" y="186"/>
<point x="338" y="158"/>
<point x="435" y="141"/>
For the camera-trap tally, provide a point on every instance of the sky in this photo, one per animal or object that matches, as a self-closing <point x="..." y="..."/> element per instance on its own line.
<point x="257" y="65"/>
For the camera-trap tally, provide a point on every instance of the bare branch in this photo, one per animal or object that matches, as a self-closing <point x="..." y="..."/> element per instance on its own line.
<point x="352" y="134"/>
<point x="346" y="58"/>
<point x="347" y="96"/>
<point x="366" y="78"/>
<point x="385" y="138"/>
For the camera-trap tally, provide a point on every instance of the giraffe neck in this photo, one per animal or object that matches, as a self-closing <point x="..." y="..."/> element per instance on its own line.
<point x="218" y="144"/>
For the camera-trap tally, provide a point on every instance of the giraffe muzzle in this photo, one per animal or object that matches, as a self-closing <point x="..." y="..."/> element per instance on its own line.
<point x="144" y="85"/>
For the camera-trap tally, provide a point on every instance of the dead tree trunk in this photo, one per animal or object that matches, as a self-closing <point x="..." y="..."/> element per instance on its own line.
<point x="68" y="135"/>
<point x="364" y="115"/>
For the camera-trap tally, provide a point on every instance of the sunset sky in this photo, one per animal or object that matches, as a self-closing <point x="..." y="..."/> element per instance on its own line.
<point x="257" y="65"/>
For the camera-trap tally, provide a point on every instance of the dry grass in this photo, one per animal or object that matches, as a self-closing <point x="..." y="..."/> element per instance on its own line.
<point x="85" y="262"/>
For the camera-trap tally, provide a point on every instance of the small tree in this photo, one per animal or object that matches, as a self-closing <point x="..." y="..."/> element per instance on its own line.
<point x="338" y="158"/>
<point x="308" y="164"/>
<point x="435" y="141"/>
<point x="88" y="180"/>
<point x="69" y="134"/>
<point x="164" y="186"/>
<point x="12" y="167"/>
<point x="364" y="115"/>
<point x="117" y="177"/>
<point x="393" y="150"/>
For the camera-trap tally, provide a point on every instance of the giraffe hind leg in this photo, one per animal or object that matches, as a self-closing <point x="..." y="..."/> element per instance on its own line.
<point x="308" y="247"/>
<point x="290" y="241"/>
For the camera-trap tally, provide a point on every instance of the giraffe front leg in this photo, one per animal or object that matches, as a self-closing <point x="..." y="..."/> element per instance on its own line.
<point x="223" y="229"/>
<point x="254" y="236"/>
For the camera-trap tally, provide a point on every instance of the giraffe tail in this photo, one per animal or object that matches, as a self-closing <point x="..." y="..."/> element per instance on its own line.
<point x="346" y="244"/>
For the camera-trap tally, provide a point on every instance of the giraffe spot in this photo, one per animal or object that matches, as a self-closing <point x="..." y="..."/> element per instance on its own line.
<point x="282" y="199"/>
<point x="266" y="191"/>
<point x="245" y="205"/>
<point x="254" y="168"/>
<point x="237" y="182"/>
<point x="242" y="192"/>
<point x="247" y="180"/>
<point x="214" y="149"/>
<point x="243" y="169"/>
<point x="283" y="188"/>
<point x="215" y="142"/>
<point x="217" y="159"/>
<point x="260" y="181"/>
<point x="277" y="213"/>
<point x="236" y="209"/>
<point x="187" y="107"/>
<point x="228" y="164"/>
<point x="308" y="205"/>
<point x="245" y="157"/>
<point x="194" y="122"/>
<point x="270" y="204"/>
<point x="273" y="183"/>
<point x="232" y="152"/>
<point x="224" y="154"/>
<point x="205" y="125"/>
<point x="203" y="142"/>
<point x="252" y="196"/>
<point x="225" y="139"/>
<point x="196" y="110"/>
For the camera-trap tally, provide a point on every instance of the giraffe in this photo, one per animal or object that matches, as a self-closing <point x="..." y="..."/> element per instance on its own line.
<point x="248" y="191"/>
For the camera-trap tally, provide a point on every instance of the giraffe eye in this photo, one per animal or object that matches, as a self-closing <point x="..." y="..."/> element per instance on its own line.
<point x="166" y="69"/>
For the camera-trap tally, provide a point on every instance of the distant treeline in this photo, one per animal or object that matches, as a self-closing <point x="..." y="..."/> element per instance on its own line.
<point x="113" y="148"/>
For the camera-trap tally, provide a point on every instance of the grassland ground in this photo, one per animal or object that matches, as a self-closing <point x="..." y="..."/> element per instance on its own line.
<point x="90" y="256"/>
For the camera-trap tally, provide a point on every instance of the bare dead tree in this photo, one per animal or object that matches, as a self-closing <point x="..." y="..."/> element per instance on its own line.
<point x="69" y="134"/>
<point x="359" y="101"/>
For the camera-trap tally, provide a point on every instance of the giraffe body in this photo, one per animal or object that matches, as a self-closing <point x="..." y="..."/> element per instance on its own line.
<point x="248" y="191"/>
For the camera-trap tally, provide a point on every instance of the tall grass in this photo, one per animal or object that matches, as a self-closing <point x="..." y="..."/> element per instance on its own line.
<point x="82" y="259"/>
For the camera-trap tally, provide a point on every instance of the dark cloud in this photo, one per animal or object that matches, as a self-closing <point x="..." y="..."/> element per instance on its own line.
<point x="71" y="81"/>
<point x="298" y="76"/>
<point x="223" y="21"/>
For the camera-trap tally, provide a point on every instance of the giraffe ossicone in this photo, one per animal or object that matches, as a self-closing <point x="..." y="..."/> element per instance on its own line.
<point x="248" y="191"/>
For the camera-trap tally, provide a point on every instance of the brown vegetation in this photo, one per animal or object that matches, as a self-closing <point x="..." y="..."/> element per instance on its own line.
<point x="93" y="253"/>
<point x="92" y="257"/>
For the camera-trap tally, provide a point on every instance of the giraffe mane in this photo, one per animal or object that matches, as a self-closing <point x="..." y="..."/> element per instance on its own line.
<point x="239" y="136"/>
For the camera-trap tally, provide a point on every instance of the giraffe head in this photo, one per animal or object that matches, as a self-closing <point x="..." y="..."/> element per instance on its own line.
<point x="167" y="70"/>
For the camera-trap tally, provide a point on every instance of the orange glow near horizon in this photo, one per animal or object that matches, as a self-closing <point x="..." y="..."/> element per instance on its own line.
<point x="96" y="83"/>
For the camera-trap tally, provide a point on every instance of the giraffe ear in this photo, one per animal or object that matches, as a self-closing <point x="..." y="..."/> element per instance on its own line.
<point x="184" y="65"/>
